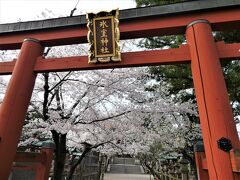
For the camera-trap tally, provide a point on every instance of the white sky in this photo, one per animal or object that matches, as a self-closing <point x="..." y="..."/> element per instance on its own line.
<point x="25" y="10"/>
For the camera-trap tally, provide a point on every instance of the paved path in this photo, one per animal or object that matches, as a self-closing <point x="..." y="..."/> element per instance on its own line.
<point x="109" y="176"/>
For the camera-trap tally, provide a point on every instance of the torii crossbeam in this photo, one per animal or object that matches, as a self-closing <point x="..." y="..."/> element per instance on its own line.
<point x="196" y="19"/>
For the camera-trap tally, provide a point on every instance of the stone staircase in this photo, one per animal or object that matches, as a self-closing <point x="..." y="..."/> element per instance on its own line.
<point x="125" y="166"/>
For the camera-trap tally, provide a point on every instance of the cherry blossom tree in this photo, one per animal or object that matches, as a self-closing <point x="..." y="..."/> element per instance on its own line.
<point x="109" y="109"/>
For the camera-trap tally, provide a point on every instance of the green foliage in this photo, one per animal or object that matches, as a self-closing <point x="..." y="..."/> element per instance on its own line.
<point x="228" y="36"/>
<point x="162" y="42"/>
<point x="150" y="160"/>
<point x="231" y="70"/>
<point x="178" y="77"/>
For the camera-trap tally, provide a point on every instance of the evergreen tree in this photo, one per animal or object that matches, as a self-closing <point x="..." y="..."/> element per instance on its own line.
<point x="178" y="77"/>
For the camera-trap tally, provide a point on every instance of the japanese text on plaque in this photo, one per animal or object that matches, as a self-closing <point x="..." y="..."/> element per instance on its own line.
<point x="104" y="45"/>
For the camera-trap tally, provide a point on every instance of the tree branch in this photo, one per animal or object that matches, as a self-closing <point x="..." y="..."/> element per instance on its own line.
<point x="104" y="119"/>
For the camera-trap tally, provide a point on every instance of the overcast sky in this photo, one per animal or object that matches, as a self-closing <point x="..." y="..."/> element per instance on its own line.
<point x="25" y="10"/>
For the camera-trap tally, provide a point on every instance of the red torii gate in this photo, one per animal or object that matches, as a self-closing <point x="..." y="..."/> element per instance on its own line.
<point x="201" y="51"/>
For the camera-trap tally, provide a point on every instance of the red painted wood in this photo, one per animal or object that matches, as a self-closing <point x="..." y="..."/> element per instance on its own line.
<point x="228" y="51"/>
<point x="144" y="27"/>
<point x="25" y="168"/>
<point x="29" y="157"/>
<point x="6" y="68"/>
<point x="15" y="104"/>
<point x="40" y="162"/>
<point x="201" y="165"/>
<point x="130" y="59"/>
<point x="235" y="159"/>
<point x="43" y="169"/>
<point x="212" y="98"/>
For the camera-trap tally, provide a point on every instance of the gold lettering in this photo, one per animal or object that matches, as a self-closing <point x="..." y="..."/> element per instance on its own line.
<point x="104" y="50"/>
<point x="104" y="41"/>
<point x="103" y="24"/>
<point x="104" y="31"/>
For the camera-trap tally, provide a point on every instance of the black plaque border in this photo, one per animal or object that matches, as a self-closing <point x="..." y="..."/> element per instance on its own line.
<point x="90" y="25"/>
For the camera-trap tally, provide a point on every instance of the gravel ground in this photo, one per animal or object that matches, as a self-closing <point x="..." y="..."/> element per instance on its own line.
<point x="109" y="176"/>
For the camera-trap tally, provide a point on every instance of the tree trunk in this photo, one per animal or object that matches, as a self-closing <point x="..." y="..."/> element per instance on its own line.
<point x="152" y="171"/>
<point x="74" y="166"/>
<point x="60" y="155"/>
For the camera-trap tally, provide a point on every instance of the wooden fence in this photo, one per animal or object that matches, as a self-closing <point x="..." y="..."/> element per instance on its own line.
<point x="173" y="169"/>
<point x="91" y="167"/>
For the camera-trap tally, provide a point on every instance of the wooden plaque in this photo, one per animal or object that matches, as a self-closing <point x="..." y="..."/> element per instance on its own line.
<point x="103" y="37"/>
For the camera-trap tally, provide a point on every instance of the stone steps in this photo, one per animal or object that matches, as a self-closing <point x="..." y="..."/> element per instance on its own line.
<point x="122" y="165"/>
<point x="125" y="169"/>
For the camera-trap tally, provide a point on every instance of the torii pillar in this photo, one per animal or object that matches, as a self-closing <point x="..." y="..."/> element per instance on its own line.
<point x="212" y="98"/>
<point x="15" y="103"/>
